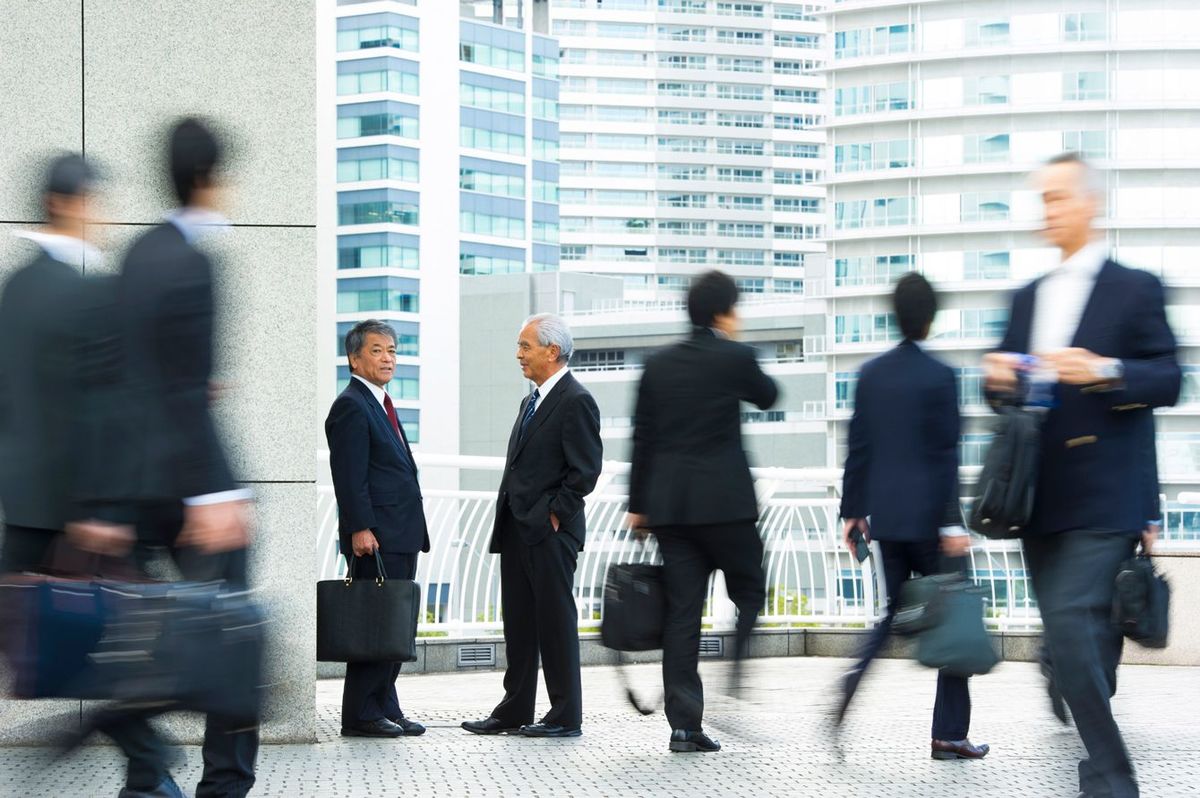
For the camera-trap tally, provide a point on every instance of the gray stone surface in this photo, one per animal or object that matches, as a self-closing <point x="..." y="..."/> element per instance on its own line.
<point x="1183" y="573"/>
<point x="41" y="81"/>
<point x="246" y="64"/>
<point x="775" y="742"/>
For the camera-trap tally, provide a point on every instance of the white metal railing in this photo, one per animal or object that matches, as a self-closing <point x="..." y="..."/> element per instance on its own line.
<point x="811" y="579"/>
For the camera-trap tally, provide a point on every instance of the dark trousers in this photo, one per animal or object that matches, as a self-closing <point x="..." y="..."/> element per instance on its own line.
<point x="537" y="599"/>
<point x="369" y="692"/>
<point x="952" y="707"/>
<point x="25" y="548"/>
<point x="690" y="555"/>
<point x="1074" y="575"/>
<point x="229" y="750"/>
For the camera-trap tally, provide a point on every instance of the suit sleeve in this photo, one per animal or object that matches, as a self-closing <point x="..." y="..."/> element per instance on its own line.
<point x="943" y="426"/>
<point x="643" y="445"/>
<point x="185" y="355"/>
<point x="349" y="436"/>
<point x="583" y="453"/>
<point x="855" y="498"/>
<point x="1152" y="374"/>
<point x="757" y="388"/>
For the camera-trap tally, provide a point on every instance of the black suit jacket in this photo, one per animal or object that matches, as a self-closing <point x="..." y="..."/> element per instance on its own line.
<point x="1098" y="445"/>
<point x="689" y="466"/>
<point x="553" y="467"/>
<point x="374" y="475"/>
<point x="40" y="334"/>
<point x="902" y="458"/>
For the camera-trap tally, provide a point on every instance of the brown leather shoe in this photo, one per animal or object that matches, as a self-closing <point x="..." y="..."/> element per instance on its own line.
<point x="963" y="749"/>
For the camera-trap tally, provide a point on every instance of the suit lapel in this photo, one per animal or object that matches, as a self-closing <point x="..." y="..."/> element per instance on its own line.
<point x="381" y="417"/>
<point x="512" y="439"/>
<point x="543" y="412"/>
<point x="1097" y="308"/>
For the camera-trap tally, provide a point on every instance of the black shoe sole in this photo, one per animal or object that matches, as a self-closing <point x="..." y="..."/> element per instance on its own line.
<point x="559" y="736"/>
<point x="690" y="748"/>
<point x="949" y="755"/>
<point x="355" y="733"/>
<point x="488" y="733"/>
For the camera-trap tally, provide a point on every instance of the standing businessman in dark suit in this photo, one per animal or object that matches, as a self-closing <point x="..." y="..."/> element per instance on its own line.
<point x="379" y="509"/>
<point x="554" y="460"/>
<point x="690" y="484"/>
<point x="1102" y="328"/>
<point x="902" y="471"/>
<point x="168" y="474"/>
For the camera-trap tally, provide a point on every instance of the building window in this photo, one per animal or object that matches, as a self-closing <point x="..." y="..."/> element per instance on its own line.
<point x="985" y="207"/>
<point x="865" y="328"/>
<point x="844" y="384"/>
<point x="788" y="260"/>
<point x="783" y="286"/>
<point x="378" y="251"/>
<point x="987" y="90"/>
<point x="740" y="147"/>
<point x="877" y="270"/>
<point x="384" y="162"/>
<point x="986" y="265"/>
<point x="746" y="37"/>
<point x="739" y="230"/>
<point x="384" y="206"/>
<point x="987" y="33"/>
<point x="737" y="91"/>
<point x="494" y="140"/>
<point x="478" y="179"/>
<point x="377" y="119"/>
<point x="681" y="255"/>
<point x="478" y="258"/>
<point x="365" y="33"/>
<point x="986" y="149"/>
<point x="1085" y="26"/>
<point x="894" y="154"/>
<point x="739" y="202"/>
<point x="740" y="257"/>
<point x="674" y="282"/>
<point x="405" y="383"/>
<point x="1085" y="85"/>
<point x="726" y="64"/>
<point x="727" y="174"/>
<point x="373" y="75"/>
<point x="751" y="285"/>
<point x="362" y="294"/>
<point x="807" y="41"/>
<point x="599" y="360"/>
<point x="1091" y="144"/>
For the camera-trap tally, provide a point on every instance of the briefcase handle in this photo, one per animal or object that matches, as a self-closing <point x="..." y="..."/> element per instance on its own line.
<point x="382" y="572"/>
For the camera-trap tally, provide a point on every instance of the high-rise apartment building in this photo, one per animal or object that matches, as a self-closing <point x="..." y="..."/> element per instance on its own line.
<point x="691" y="139"/>
<point x="429" y="187"/>
<point x="939" y="113"/>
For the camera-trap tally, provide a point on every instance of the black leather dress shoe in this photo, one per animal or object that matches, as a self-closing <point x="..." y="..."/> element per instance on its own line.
<point x="167" y="789"/>
<point x="1057" y="705"/>
<point x="373" y="728"/>
<point x="687" y="742"/>
<point x="411" y="727"/>
<point x="489" y="726"/>
<point x="549" y="730"/>
<point x="960" y="749"/>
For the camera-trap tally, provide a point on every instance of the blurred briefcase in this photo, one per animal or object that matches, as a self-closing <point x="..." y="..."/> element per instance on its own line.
<point x="1142" y="603"/>
<point x="1004" y="494"/>
<point x="920" y="604"/>
<point x="958" y="642"/>
<point x="635" y="607"/>
<point x="367" y="620"/>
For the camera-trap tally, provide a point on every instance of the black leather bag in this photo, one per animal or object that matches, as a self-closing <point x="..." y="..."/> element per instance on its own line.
<point x="635" y="607"/>
<point x="367" y="620"/>
<point x="958" y="643"/>
<point x="1004" y="494"/>
<point x="1142" y="603"/>
<point x="921" y="605"/>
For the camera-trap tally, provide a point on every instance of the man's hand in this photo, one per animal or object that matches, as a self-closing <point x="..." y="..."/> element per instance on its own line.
<point x="956" y="545"/>
<point x="554" y="521"/>
<point x="101" y="537"/>
<point x="1000" y="371"/>
<point x="1149" y="538"/>
<point x="637" y="522"/>
<point x="363" y="542"/>
<point x="1076" y="366"/>
<point x="849" y="526"/>
<point x="214" y="528"/>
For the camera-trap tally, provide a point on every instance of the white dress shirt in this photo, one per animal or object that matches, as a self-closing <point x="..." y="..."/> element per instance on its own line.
<point x="65" y="249"/>
<point x="1062" y="295"/>
<point x="197" y="223"/>
<point x="546" y="387"/>
<point x="376" y="391"/>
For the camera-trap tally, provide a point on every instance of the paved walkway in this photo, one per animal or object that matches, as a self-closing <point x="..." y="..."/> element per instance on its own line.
<point x="774" y="740"/>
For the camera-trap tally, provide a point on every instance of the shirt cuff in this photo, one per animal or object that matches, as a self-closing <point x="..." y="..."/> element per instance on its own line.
<point x="952" y="532"/>
<point x="236" y="495"/>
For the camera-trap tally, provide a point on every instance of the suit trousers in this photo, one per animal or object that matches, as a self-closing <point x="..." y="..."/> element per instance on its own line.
<point x="901" y="559"/>
<point x="229" y="751"/>
<point x="1074" y="577"/>
<point x="369" y="692"/>
<point x="690" y="555"/>
<point x="537" y="599"/>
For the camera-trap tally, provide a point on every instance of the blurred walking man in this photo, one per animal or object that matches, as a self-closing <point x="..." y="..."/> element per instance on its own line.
<point x="1102" y="328"/>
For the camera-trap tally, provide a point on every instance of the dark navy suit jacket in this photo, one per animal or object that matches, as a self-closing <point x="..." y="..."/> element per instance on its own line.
<point x="374" y="475"/>
<point x="1094" y="470"/>
<point x="902" y="462"/>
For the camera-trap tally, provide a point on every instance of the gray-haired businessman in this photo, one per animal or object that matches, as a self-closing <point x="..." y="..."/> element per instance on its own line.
<point x="554" y="457"/>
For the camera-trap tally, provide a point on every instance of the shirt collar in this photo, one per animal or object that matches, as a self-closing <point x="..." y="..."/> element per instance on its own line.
<point x="546" y="387"/>
<point x="376" y="391"/>
<point x="1087" y="262"/>
<point x="196" y="223"/>
<point x="65" y="249"/>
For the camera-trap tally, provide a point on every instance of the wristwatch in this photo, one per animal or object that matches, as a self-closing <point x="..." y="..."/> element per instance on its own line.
<point x="1110" y="369"/>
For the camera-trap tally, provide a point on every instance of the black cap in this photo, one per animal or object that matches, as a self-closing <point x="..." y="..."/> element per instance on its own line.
<point x="70" y="175"/>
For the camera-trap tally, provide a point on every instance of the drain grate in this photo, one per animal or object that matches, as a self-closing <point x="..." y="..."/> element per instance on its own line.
<point x="480" y="656"/>
<point x="712" y="646"/>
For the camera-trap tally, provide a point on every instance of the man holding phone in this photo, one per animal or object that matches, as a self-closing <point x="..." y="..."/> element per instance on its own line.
<point x="902" y="473"/>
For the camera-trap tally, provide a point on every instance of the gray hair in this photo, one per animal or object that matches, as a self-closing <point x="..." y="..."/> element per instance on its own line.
<point x="1090" y="180"/>
<point x="357" y="337"/>
<point x="553" y="331"/>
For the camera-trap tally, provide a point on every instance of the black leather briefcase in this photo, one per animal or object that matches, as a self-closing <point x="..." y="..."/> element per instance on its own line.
<point x="1004" y="494"/>
<point x="635" y="607"/>
<point x="367" y="620"/>
<point x="958" y="642"/>
<point x="1142" y="603"/>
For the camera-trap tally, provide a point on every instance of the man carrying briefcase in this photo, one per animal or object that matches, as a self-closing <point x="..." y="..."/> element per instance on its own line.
<point x="381" y="519"/>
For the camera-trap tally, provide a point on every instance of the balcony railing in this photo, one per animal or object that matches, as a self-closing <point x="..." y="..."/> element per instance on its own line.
<point x="811" y="579"/>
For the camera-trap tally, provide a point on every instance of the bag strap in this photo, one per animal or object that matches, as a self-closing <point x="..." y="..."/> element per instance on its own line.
<point x="381" y="572"/>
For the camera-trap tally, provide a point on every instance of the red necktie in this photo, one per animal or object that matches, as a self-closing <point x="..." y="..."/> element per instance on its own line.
<point x="391" y="414"/>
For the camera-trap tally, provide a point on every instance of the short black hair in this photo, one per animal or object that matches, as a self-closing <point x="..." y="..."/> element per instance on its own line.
<point x="916" y="304"/>
<point x="195" y="155"/>
<point x="712" y="294"/>
<point x="68" y="175"/>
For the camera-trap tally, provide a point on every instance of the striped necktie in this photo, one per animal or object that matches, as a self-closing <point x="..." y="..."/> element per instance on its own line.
<point x="530" y="409"/>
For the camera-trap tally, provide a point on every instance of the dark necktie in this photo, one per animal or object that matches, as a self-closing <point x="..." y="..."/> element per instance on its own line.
<point x="391" y="414"/>
<point x="530" y="409"/>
